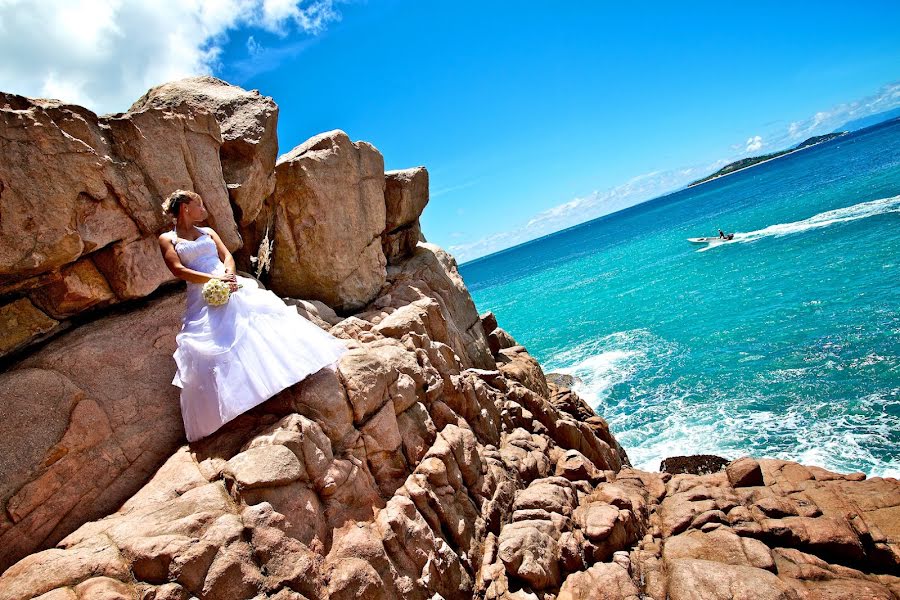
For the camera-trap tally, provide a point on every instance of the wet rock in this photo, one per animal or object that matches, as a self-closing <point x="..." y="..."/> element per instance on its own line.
<point x="563" y="380"/>
<point x="699" y="464"/>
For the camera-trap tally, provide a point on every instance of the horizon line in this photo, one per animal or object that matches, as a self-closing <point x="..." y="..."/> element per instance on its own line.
<point x="664" y="195"/>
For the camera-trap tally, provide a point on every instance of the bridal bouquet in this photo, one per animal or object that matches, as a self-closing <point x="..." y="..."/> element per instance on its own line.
<point x="216" y="292"/>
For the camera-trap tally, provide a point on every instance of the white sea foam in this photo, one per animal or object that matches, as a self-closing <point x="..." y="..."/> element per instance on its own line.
<point x="862" y="210"/>
<point x="845" y="440"/>
<point x="658" y="415"/>
<point x="601" y="364"/>
<point x="823" y="434"/>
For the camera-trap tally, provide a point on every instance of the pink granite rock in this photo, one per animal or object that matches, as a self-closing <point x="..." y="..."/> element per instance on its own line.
<point x="339" y="260"/>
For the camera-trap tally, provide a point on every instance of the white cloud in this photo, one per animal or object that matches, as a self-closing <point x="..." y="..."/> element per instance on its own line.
<point x="754" y="144"/>
<point x="823" y="121"/>
<point x="884" y="99"/>
<point x="599" y="203"/>
<point x="312" y="18"/>
<point x="453" y="188"/>
<point x="103" y="54"/>
<point x="253" y="47"/>
<point x="264" y="58"/>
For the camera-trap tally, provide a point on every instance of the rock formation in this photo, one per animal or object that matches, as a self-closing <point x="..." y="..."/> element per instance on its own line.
<point x="86" y="421"/>
<point x="248" y="123"/>
<point x="437" y="461"/>
<point x="80" y="194"/>
<point x="405" y="196"/>
<point x="329" y="217"/>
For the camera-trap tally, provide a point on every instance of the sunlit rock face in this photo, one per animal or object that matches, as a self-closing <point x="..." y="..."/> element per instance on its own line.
<point x="329" y="216"/>
<point x="248" y="122"/>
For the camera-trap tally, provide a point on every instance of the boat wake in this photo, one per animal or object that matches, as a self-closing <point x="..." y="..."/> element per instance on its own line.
<point x="862" y="210"/>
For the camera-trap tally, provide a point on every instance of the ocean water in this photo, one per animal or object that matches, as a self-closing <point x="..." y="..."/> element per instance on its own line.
<point x="783" y="343"/>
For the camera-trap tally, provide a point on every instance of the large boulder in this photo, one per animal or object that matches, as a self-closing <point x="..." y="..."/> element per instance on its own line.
<point x="405" y="195"/>
<point x="248" y="122"/>
<point x="744" y="472"/>
<point x="603" y="581"/>
<point x="329" y="217"/>
<point x="175" y="148"/>
<point x="692" y="579"/>
<point x="80" y="197"/>
<point x="63" y="194"/>
<point x="84" y="422"/>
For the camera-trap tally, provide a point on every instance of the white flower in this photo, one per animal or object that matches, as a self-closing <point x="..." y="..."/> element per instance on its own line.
<point x="216" y="292"/>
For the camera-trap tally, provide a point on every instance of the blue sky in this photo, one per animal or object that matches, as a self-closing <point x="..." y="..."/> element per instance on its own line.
<point x="532" y="117"/>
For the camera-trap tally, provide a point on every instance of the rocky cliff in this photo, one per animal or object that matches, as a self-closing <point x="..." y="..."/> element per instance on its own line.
<point x="437" y="462"/>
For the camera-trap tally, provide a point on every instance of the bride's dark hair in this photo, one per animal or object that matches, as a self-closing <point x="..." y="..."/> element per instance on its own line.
<point x="172" y="204"/>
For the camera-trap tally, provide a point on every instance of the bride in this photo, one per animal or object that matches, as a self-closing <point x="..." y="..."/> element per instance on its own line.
<point x="232" y="357"/>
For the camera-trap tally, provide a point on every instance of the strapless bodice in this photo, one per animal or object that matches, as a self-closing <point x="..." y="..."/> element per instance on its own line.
<point x="200" y="255"/>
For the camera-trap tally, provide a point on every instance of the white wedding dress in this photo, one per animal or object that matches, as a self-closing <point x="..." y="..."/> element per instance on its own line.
<point x="233" y="357"/>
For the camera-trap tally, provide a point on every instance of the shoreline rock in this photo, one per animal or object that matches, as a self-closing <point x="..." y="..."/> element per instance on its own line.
<point x="322" y="253"/>
<point x="697" y="464"/>
<point x="563" y="379"/>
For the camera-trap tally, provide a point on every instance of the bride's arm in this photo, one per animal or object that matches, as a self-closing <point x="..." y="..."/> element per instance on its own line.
<point x="174" y="263"/>
<point x="224" y="254"/>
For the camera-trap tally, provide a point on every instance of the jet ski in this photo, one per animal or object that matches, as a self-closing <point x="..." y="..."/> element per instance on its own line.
<point x="711" y="240"/>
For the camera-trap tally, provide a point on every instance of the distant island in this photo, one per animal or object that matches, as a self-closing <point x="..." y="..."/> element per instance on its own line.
<point x="755" y="160"/>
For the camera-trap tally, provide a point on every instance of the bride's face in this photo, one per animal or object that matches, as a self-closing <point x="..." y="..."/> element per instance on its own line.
<point x="195" y="210"/>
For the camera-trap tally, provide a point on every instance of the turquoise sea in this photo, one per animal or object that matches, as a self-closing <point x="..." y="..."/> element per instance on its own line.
<point x="782" y="343"/>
